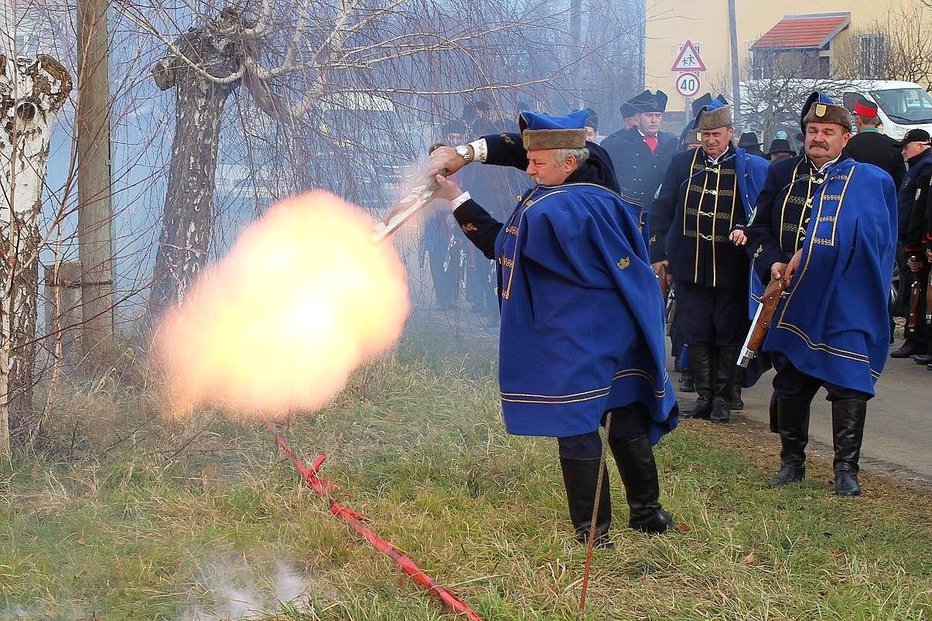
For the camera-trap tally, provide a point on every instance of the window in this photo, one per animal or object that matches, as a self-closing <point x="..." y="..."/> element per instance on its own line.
<point x="764" y="64"/>
<point x="871" y="54"/>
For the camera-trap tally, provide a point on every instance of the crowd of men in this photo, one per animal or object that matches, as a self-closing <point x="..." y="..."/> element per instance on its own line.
<point x="715" y="220"/>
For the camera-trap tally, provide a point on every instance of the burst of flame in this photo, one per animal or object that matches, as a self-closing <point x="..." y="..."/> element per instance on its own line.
<point x="303" y="297"/>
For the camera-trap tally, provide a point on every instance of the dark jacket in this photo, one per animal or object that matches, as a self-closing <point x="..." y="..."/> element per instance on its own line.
<point x="914" y="224"/>
<point x="879" y="150"/>
<point x="913" y="191"/>
<point x="639" y="171"/>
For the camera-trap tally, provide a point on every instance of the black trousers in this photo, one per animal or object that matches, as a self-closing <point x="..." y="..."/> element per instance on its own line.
<point x="792" y="384"/>
<point x="628" y="422"/>
<point x="712" y="316"/>
<point x="919" y="334"/>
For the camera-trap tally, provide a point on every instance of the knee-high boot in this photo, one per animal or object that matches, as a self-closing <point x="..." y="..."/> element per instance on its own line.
<point x="848" y="429"/>
<point x="726" y="367"/>
<point x="580" y="477"/>
<point x="793" y="427"/>
<point x="700" y="358"/>
<point x="635" y="458"/>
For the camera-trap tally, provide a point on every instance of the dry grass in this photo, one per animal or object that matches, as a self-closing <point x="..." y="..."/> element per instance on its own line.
<point x="148" y="518"/>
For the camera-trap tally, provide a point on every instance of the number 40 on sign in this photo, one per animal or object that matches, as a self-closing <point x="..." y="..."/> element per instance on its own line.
<point x="687" y="84"/>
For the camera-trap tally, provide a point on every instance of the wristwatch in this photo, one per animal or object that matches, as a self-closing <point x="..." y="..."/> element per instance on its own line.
<point x="464" y="152"/>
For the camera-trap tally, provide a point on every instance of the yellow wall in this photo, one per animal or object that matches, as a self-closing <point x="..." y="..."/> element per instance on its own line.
<point x="705" y="22"/>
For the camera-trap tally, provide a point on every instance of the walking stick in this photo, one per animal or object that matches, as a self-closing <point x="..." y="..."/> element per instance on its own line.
<point x="584" y="588"/>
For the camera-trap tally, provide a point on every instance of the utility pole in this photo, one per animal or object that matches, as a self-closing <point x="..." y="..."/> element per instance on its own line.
<point x="576" y="38"/>
<point x="94" y="178"/>
<point x="735" y="69"/>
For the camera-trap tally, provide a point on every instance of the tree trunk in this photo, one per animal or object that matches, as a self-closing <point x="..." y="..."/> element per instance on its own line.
<point x="31" y="94"/>
<point x="187" y="217"/>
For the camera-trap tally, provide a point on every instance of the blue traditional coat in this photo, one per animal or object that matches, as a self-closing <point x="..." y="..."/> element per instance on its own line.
<point x="582" y="317"/>
<point x="834" y="323"/>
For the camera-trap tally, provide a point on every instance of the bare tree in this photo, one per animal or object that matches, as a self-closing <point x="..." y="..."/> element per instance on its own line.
<point x="897" y="47"/>
<point x="300" y="62"/>
<point x="31" y="94"/>
<point x="773" y="91"/>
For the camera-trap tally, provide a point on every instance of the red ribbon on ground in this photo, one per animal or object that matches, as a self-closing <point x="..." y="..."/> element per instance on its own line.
<point x="322" y="488"/>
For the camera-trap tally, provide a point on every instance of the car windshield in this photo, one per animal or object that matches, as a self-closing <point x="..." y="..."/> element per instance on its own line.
<point x="906" y="106"/>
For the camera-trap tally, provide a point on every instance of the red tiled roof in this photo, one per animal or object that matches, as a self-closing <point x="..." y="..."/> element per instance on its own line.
<point x="803" y="31"/>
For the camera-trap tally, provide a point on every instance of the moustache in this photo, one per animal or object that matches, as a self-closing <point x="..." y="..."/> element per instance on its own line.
<point x="821" y="145"/>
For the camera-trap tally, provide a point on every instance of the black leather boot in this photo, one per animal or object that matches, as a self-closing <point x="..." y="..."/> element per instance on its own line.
<point x="907" y="349"/>
<point x="635" y="459"/>
<point x="793" y="427"/>
<point x="580" y="477"/>
<point x="701" y="361"/>
<point x="737" y="403"/>
<point x="848" y="430"/>
<point x="726" y="369"/>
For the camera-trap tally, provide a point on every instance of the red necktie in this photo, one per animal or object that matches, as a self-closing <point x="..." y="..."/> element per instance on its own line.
<point x="651" y="142"/>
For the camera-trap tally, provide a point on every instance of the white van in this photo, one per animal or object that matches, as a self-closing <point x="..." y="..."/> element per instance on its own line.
<point x="902" y="106"/>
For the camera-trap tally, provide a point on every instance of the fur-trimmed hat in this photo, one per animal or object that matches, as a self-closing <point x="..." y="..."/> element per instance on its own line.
<point x="541" y="131"/>
<point x="714" y="115"/>
<point x="820" y="108"/>
<point x="648" y="102"/>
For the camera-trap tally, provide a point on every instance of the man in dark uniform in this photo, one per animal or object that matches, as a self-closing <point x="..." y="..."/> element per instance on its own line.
<point x="873" y="147"/>
<point x="641" y="154"/>
<point x="826" y="224"/>
<point x="581" y="315"/>
<point x="914" y="199"/>
<point x="750" y="143"/>
<point x="705" y="199"/>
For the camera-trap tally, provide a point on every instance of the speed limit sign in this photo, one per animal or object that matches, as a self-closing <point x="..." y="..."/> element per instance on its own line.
<point x="687" y="84"/>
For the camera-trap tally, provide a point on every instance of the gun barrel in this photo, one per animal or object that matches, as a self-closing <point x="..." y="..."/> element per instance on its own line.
<point x="747" y="353"/>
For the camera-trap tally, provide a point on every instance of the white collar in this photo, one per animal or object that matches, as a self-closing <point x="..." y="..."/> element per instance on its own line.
<point x="826" y="164"/>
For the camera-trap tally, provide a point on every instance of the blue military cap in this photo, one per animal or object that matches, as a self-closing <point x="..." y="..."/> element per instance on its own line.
<point x="542" y="131"/>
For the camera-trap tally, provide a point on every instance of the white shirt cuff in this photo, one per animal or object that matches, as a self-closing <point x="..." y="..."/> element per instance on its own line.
<point x="459" y="200"/>
<point x="480" y="150"/>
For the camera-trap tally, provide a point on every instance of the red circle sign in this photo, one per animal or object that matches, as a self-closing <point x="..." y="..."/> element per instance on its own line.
<point x="687" y="84"/>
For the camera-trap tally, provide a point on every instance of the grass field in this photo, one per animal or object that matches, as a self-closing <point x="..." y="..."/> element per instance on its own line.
<point x="147" y="518"/>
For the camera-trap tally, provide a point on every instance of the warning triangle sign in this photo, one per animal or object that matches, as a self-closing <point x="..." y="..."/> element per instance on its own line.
<point x="688" y="59"/>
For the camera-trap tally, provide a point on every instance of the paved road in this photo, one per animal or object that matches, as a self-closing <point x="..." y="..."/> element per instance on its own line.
<point x="898" y="431"/>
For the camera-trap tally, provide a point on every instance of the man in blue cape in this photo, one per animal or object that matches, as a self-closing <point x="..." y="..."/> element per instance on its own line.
<point x="696" y="233"/>
<point x="581" y="339"/>
<point x="826" y="224"/>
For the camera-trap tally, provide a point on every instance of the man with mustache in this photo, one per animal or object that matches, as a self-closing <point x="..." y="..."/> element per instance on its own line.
<point x="827" y="225"/>
<point x="581" y="339"/>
